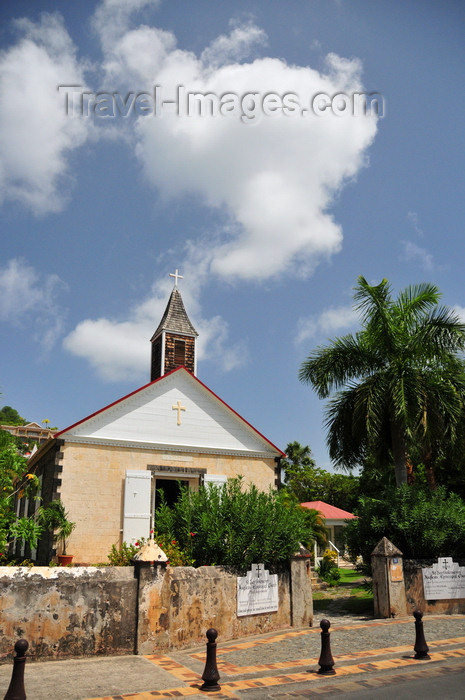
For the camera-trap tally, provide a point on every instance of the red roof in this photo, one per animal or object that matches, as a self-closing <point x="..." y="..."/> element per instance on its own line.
<point x="329" y="512"/>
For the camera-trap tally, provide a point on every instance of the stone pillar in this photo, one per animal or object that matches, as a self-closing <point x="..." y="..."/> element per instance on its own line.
<point x="388" y="580"/>
<point x="152" y="613"/>
<point x="301" y="591"/>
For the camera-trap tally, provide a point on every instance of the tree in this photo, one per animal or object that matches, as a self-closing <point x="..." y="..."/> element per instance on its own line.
<point x="299" y="470"/>
<point x="15" y="481"/>
<point x="233" y="526"/>
<point x="399" y="382"/>
<point x="420" y="522"/>
<point x="307" y="482"/>
<point x="10" y="416"/>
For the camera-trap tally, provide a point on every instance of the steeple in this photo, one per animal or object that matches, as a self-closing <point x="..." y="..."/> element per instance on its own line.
<point x="173" y="343"/>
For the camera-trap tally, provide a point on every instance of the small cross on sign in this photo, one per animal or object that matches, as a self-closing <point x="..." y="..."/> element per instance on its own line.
<point x="178" y="408"/>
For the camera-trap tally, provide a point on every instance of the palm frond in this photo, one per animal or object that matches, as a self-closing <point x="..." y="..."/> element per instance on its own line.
<point x="399" y="382"/>
<point x="331" y="368"/>
<point x="416" y="299"/>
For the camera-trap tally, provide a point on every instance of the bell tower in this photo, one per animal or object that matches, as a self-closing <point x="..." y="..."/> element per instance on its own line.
<point x="173" y="343"/>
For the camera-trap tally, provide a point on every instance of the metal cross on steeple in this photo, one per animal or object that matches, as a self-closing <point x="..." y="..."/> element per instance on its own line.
<point x="176" y="276"/>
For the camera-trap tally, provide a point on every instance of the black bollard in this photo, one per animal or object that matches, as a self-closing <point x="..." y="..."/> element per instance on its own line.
<point x="16" y="688"/>
<point x="210" y="675"/>
<point x="421" y="647"/>
<point x="326" y="661"/>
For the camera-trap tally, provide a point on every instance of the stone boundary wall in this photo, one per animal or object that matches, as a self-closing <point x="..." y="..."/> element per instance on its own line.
<point x="398" y="584"/>
<point x="67" y="612"/>
<point x="83" y="611"/>
<point x="414" y="590"/>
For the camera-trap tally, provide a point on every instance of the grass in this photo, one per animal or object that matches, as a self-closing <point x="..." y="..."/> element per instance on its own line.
<point x="349" y="597"/>
<point x="349" y="576"/>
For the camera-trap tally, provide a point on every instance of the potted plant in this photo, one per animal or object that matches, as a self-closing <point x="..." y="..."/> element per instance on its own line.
<point x="55" y="518"/>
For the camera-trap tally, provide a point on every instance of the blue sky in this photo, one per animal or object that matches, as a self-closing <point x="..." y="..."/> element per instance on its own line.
<point x="269" y="217"/>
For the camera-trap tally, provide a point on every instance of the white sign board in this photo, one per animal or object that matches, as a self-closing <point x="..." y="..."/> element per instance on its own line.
<point x="257" y="592"/>
<point x="444" y="580"/>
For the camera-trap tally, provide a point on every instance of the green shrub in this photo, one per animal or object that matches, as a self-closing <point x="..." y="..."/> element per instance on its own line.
<point x="420" y="522"/>
<point x="233" y="526"/>
<point x="123" y="555"/>
<point x="327" y="568"/>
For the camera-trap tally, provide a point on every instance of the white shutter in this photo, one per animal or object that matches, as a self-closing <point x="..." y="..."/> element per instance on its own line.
<point x="137" y="497"/>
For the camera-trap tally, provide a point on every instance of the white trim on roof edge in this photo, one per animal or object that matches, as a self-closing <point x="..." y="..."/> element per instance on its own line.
<point x="167" y="447"/>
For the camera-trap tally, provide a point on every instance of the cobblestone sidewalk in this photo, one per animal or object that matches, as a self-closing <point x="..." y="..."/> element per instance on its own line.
<point x="266" y="666"/>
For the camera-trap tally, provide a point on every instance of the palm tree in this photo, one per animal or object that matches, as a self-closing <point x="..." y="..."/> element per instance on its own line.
<point x="316" y="529"/>
<point x="399" y="382"/>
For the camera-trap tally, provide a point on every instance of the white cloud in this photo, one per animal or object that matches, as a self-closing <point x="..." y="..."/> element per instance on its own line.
<point x="412" y="216"/>
<point x="26" y="297"/>
<point x="213" y="344"/>
<point x="273" y="178"/>
<point x="119" y="349"/>
<point x="460" y="311"/>
<point x="234" y="46"/>
<point x="37" y="135"/>
<point x="129" y="54"/>
<point x="330" y="322"/>
<point x="414" y="253"/>
<point x="115" y="349"/>
<point x="112" y="17"/>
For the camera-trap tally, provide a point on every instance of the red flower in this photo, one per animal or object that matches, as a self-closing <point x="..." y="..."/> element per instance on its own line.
<point x="193" y="534"/>
<point x="136" y="544"/>
<point x="173" y="541"/>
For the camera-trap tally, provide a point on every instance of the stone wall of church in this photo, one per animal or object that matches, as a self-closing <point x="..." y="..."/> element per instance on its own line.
<point x="92" y="487"/>
<point x="178" y="604"/>
<point x="84" y="611"/>
<point x="65" y="612"/>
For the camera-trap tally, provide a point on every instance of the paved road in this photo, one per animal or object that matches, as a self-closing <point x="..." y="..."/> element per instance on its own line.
<point x="439" y="683"/>
<point x="373" y="659"/>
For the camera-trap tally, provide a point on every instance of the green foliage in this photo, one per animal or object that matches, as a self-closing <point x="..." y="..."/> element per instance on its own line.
<point x="14" y="481"/>
<point x="17" y="482"/>
<point x="299" y="469"/>
<point x="399" y="383"/>
<point x="176" y="556"/>
<point x="327" y="569"/>
<point x="26" y="529"/>
<point x="233" y="526"/>
<point x="123" y="556"/>
<point x="10" y="416"/>
<point x="54" y="518"/>
<point x="307" y="482"/>
<point x="420" y="522"/>
<point x="349" y="596"/>
<point x="316" y="529"/>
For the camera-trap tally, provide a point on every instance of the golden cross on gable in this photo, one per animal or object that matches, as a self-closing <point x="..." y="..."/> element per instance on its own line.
<point x="178" y="408"/>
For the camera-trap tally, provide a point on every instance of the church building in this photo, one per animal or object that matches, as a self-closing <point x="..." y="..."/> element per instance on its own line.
<point x="109" y="467"/>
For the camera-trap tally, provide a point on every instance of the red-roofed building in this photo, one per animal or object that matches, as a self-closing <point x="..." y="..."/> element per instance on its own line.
<point x="108" y="467"/>
<point x="335" y="520"/>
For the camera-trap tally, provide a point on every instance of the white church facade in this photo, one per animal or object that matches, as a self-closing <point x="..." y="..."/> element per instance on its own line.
<point x="109" y="467"/>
